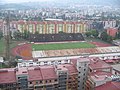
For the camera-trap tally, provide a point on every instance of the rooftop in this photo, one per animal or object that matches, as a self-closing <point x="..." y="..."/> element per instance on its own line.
<point x="48" y="72"/>
<point x="70" y="67"/>
<point x="116" y="67"/>
<point x="98" y="64"/>
<point x="21" y="71"/>
<point x="109" y="86"/>
<point x="83" y="60"/>
<point x="35" y="74"/>
<point x="7" y="75"/>
<point x="99" y="76"/>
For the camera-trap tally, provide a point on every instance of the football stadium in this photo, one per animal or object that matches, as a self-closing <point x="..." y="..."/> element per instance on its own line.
<point x="61" y="45"/>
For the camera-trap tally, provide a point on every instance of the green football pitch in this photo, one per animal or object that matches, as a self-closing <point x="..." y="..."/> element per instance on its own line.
<point x="59" y="46"/>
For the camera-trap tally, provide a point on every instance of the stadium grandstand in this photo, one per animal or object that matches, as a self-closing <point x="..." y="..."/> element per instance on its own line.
<point x="56" y="37"/>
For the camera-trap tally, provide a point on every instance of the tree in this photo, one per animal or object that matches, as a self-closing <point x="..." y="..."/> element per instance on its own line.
<point x="17" y="35"/>
<point x="26" y="34"/>
<point x="93" y="33"/>
<point x="119" y="28"/>
<point x="1" y="34"/>
<point x="109" y="39"/>
<point x="117" y="36"/>
<point x="103" y="36"/>
<point x="36" y="32"/>
<point x="88" y="34"/>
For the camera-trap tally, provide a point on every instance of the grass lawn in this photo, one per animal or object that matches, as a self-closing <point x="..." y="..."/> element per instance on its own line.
<point x="96" y="40"/>
<point x="2" y="46"/>
<point x="59" y="46"/>
<point x="2" y="65"/>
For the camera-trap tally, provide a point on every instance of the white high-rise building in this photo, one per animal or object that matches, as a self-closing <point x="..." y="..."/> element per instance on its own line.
<point x="82" y="67"/>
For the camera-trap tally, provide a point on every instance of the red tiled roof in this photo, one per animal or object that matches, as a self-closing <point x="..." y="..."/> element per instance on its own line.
<point x="7" y="76"/>
<point x="98" y="64"/>
<point x="30" y="22"/>
<point x="71" y="68"/>
<point x="50" y="22"/>
<point x="48" y="72"/>
<point x="74" y="61"/>
<point x="59" y="22"/>
<point x="99" y="73"/>
<point x="99" y="76"/>
<point x="109" y="61"/>
<point x="35" y="74"/>
<point x="109" y="86"/>
<point x="37" y="22"/>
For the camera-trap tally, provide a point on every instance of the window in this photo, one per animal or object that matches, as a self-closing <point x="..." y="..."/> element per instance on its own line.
<point x="19" y="88"/>
<point x="37" y="82"/>
<point x="46" y="81"/>
<point x="55" y="80"/>
<point x="40" y="81"/>
<point x="83" y="78"/>
<point x="38" y="63"/>
<point x="45" y="62"/>
<point x="30" y="63"/>
<point x="30" y="82"/>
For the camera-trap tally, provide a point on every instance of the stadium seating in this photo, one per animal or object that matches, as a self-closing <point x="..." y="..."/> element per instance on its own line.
<point x="56" y="37"/>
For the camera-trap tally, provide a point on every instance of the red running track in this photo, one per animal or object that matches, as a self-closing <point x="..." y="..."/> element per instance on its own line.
<point x="100" y="44"/>
<point x="24" y="51"/>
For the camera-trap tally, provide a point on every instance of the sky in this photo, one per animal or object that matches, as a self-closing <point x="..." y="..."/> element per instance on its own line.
<point x="20" y="1"/>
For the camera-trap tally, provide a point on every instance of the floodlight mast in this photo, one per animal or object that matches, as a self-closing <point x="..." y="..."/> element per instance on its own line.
<point x="7" y="36"/>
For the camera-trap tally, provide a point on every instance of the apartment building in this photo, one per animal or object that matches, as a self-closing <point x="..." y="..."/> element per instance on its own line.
<point x="50" y="27"/>
<point x="82" y="66"/>
<point x="46" y="77"/>
<point x="79" y="74"/>
<point x="62" y="77"/>
<point x="100" y="76"/>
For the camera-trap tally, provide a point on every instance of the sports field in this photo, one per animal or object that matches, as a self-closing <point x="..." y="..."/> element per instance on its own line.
<point x="59" y="46"/>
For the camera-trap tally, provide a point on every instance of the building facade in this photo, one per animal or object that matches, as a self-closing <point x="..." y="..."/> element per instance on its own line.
<point x="100" y="76"/>
<point x="49" y="27"/>
<point x="46" y="77"/>
<point x="79" y="74"/>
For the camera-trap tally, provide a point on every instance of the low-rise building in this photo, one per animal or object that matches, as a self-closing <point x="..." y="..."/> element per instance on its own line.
<point x="100" y="76"/>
